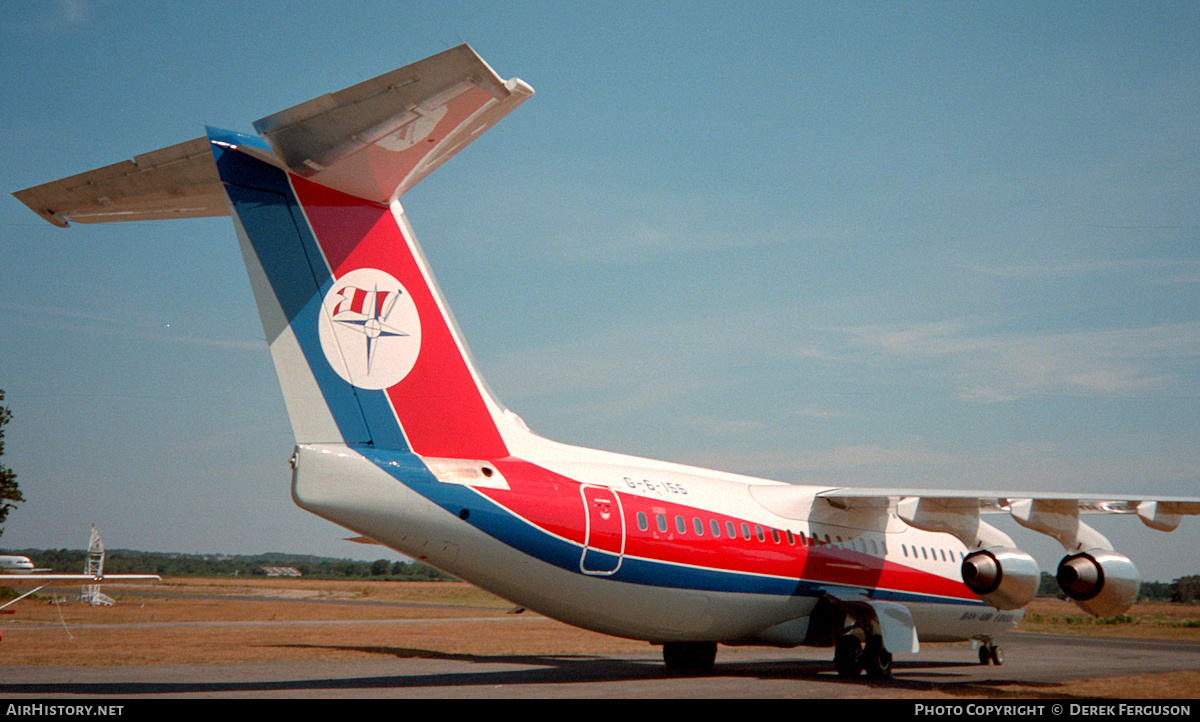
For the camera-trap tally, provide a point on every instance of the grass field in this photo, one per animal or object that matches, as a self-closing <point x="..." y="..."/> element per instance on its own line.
<point x="1152" y="620"/>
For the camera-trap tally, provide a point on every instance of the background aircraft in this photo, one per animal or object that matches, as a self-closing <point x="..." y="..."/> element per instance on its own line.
<point x="398" y="439"/>
<point x="11" y="564"/>
<point x="18" y="571"/>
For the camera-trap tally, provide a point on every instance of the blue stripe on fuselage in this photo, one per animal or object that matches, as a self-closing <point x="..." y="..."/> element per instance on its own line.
<point x="502" y="524"/>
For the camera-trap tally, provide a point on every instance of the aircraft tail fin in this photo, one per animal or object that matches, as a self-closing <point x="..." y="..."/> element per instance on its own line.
<point x="364" y="346"/>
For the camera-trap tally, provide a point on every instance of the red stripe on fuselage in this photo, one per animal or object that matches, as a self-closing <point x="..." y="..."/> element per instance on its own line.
<point x="440" y="407"/>
<point x="553" y="503"/>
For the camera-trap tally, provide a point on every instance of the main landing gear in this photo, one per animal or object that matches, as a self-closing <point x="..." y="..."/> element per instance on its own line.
<point x="851" y="657"/>
<point x="989" y="653"/>
<point x="690" y="657"/>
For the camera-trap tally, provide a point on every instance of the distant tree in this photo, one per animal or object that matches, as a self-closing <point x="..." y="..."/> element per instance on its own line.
<point x="380" y="567"/>
<point x="1155" y="590"/>
<point x="1048" y="586"/>
<point x="1186" y="589"/>
<point x="10" y="493"/>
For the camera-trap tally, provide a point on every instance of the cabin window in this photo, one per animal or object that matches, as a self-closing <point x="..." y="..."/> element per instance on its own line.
<point x="904" y="548"/>
<point x="924" y="553"/>
<point x="698" y="526"/>
<point x="716" y="528"/>
<point x="643" y="524"/>
<point x="803" y="539"/>
<point x="775" y="535"/>
<point x="680" y="525"/>
<point x="792" y="538"/>
<point x="758" y="531"/>
<point x="943" y="551"/>
<point x="745" y="531"/>
<point x="729" y="528"/>
<point x="662" y="522"/>
<point x="874" y="548"/>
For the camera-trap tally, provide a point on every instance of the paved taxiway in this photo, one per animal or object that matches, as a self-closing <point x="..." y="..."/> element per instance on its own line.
<point x="1032" y="661"/>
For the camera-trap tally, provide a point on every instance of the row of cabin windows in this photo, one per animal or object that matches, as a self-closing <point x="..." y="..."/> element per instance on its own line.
<point x="731" y="530"/>
<point x="855" y="544"/>
<point x="917" y="552"/>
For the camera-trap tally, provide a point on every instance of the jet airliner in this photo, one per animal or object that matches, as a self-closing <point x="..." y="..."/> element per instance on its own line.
<point x="398" y="439"/>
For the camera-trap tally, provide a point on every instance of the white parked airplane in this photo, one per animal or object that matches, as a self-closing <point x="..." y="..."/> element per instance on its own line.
<point x="399" y="440"/>
<point x="11" y="564"/>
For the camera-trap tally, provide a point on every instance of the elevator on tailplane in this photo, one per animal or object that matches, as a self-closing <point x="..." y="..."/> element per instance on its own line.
<point x="399" y="440"/>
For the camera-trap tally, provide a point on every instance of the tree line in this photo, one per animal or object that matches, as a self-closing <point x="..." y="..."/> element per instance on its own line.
<point x="1185" y="590"/>
<point x="121" y="561"/>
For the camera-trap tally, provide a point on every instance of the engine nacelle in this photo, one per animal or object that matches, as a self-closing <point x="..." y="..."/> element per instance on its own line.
<point x="1101" y="582"/>
<point x="1004" y="578"/>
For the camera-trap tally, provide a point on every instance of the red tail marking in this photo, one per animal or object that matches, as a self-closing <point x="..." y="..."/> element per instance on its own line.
<point x="440" y="408"/>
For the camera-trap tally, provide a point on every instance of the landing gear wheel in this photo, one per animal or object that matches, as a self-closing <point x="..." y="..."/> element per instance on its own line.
<point x="847" y="656"/>
<point x="991" y="654"/>
<point x="690" y="657"/>
<point x="876" y="660"/>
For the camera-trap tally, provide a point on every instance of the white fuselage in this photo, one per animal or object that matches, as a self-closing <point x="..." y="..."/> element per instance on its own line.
<point x="10" y="564"/>
<point x="669" y="570"/>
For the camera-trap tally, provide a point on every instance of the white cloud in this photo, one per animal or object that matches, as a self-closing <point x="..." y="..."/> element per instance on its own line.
<point x="996" y="366"/>
<point x="1167" y="271"/>
<point x="40" y="17"/>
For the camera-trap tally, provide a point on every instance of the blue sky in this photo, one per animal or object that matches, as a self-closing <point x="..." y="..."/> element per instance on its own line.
<point x="889" y="244"/>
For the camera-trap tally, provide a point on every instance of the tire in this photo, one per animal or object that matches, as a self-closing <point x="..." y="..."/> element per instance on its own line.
<point x="997" y="656"/>
<point x="985" y="654"/>
<point x="847" y="657"/>
<point x="876" y="660"/>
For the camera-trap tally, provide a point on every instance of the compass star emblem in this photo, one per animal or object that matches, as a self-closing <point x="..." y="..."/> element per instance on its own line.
<point x="367" y="312"/>
<point x="370" y="330"/>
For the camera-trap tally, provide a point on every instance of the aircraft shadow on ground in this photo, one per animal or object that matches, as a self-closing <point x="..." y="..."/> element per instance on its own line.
<point x="542" y="670"/>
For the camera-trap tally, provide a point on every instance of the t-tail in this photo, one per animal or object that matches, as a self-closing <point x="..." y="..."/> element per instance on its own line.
<point x="366" y="351"/>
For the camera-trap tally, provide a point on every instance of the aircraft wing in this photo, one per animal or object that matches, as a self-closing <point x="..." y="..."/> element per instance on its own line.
<point x="1053" y="513"/>
<point x="1002" y="501"/>
<point x="37" y="580"/>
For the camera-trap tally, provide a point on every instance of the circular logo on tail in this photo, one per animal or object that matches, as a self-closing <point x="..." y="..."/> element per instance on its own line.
<point x="369" y="329"/>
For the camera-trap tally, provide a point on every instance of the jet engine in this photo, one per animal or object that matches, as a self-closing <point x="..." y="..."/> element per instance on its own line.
<point x="1004" y="578"/>
<point x="1101" y="582"/>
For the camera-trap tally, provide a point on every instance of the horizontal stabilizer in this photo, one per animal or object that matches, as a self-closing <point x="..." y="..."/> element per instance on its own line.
<point x="378" y="139"/>
<point x="179" y="181"/>
<point x="374" y="140"/>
